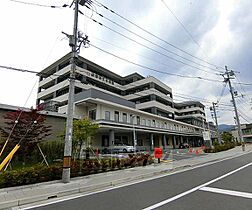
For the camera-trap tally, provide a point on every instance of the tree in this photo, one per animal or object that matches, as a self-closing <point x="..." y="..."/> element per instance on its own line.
<point x="226" y="137"/>
<point x="83" y="131"/>
<point x="26" y="128"/>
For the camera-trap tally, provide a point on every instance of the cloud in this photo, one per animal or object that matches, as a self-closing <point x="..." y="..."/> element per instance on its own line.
<point x="221" y="27"/>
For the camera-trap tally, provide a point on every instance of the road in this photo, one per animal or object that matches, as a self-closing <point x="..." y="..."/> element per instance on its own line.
<point x="224" y="185"/>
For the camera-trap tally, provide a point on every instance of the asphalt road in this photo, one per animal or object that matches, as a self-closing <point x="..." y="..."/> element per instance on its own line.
<point x="186" y="190"/>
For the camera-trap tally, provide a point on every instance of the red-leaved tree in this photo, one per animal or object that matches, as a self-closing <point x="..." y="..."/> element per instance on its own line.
<point x="29" y="130"/>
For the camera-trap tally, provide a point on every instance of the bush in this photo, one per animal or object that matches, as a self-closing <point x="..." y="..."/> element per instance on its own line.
<point x="220" y="147"/>
<point x="42" y="173"/>
<point x="30" y="175"/>
<point x="53" y="150"/>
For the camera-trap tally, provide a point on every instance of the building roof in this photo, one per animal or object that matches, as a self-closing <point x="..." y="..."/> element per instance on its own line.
<point x="15" y="108"/>
<point x="188" y="103"/>
<point x="103" y="70"/>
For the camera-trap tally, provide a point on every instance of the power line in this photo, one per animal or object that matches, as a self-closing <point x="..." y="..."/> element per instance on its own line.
<point x="183" y="26"/>
<point x="242" y="115"/>
<point x="146" y="57"/>
<point x="222" y="92"/>
<point x="40" y="5"/>
<point x="163" y="48"/>
<point x="147" y="47"/>
<point x="242" y="89"/>
<point x="150" y="33"/>
<point x="27" y="71"/>
<point x="16" y="121"/>
<point x="18" y="69"/>
<point x="155" y="70"/>
<point x="202" y="100"/>
<point x="181" y="95"/>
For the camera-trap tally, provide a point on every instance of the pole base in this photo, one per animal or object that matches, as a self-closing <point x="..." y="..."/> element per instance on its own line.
<point x="66" y="175"/>
<point x="243" y="147"/>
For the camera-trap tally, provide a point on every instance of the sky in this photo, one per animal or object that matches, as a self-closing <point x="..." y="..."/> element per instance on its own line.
<point x="192" y="38"/>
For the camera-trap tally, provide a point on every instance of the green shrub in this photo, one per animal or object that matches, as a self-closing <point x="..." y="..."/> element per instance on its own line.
<point x="53" y="150"/>
<point x="220" y="147"/>
<point x="42" y="173"/>
<point x="30" y="175"/>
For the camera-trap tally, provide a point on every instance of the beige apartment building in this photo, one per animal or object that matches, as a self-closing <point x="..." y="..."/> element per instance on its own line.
<point x="123" y="106"/>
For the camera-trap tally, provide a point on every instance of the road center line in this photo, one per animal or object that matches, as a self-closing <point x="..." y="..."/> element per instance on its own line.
<point x="195" y="188"/>
<point x="227" y="192"/>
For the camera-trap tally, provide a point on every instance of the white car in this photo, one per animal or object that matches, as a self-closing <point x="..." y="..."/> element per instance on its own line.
<point x="120" y="147"/>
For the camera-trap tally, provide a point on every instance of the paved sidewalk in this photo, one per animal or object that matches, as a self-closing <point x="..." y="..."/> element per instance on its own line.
<point x="17" y="196"/>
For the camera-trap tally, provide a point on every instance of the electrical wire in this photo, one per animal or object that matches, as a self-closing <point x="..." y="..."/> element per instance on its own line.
<point x="155" y="70"/>
<point x="138" y="54"/>
<point x="40" y="5"/>
<point x="222" y="92"/>
<point x="157" y="45"/>
<point x="150" y="33"/>
<point x="183" y="26"/>
<point x="174" y="93"/>
<point x="27" y="71"/>
<point x="242" y="115"/>
<point x="147" y="47"/>
<point x="243" y="92"/>
<point x="16" y="121"/>
<point x="178" y="95"/>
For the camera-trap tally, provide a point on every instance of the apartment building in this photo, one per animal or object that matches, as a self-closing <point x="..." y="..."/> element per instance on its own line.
<point x="191" y="112"/>
<point x="246" y="132"/>
<point x="122" y="106"/>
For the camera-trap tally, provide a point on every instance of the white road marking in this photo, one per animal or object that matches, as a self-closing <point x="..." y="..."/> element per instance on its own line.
<point x="227" y="192"/>
<point x="195" y="188"/>
<point x="29" y="206"/>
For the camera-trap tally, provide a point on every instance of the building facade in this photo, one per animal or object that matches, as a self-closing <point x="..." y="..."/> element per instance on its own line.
<point x="124" y="107"/>
<point x="246" y="132"/>
<point x="55" y="120"/>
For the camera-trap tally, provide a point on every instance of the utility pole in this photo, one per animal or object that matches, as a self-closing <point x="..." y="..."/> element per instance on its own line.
<point x="227" y="79"/>
<point x="75" y="42"/>
<point x="69" y="123"/>
<point x="216" y="121"/>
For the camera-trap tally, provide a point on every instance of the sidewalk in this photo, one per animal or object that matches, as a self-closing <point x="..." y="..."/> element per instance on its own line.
<point x="16" y="196"/>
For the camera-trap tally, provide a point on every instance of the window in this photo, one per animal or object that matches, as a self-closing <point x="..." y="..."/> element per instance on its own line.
<point x="149" y="122"/>
<point x="116" y="116"/>
<point x="131" y="119"/>
<point x="143" y="122"/>
<point x="138" y="120"/>
<point x="92" y="114"/>
<point x="139" y="142"/>
<point x="107" y="115"/>
<point x="153" y="123"/>
<point x="105" y="141"/>
<point x="124" y="118"/>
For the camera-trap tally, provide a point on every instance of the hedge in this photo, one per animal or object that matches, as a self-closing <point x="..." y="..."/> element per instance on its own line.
<point x="42" y="173"/>
<point x="219" y="148"/>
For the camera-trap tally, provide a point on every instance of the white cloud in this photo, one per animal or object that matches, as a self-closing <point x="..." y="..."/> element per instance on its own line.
<point x="31" y="39"/>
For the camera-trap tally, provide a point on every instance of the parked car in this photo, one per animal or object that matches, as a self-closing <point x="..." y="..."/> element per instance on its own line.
<point x="120" y="147"/>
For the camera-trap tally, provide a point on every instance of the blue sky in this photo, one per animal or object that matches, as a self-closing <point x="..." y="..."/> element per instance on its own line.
<point x="216" y="31"/>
